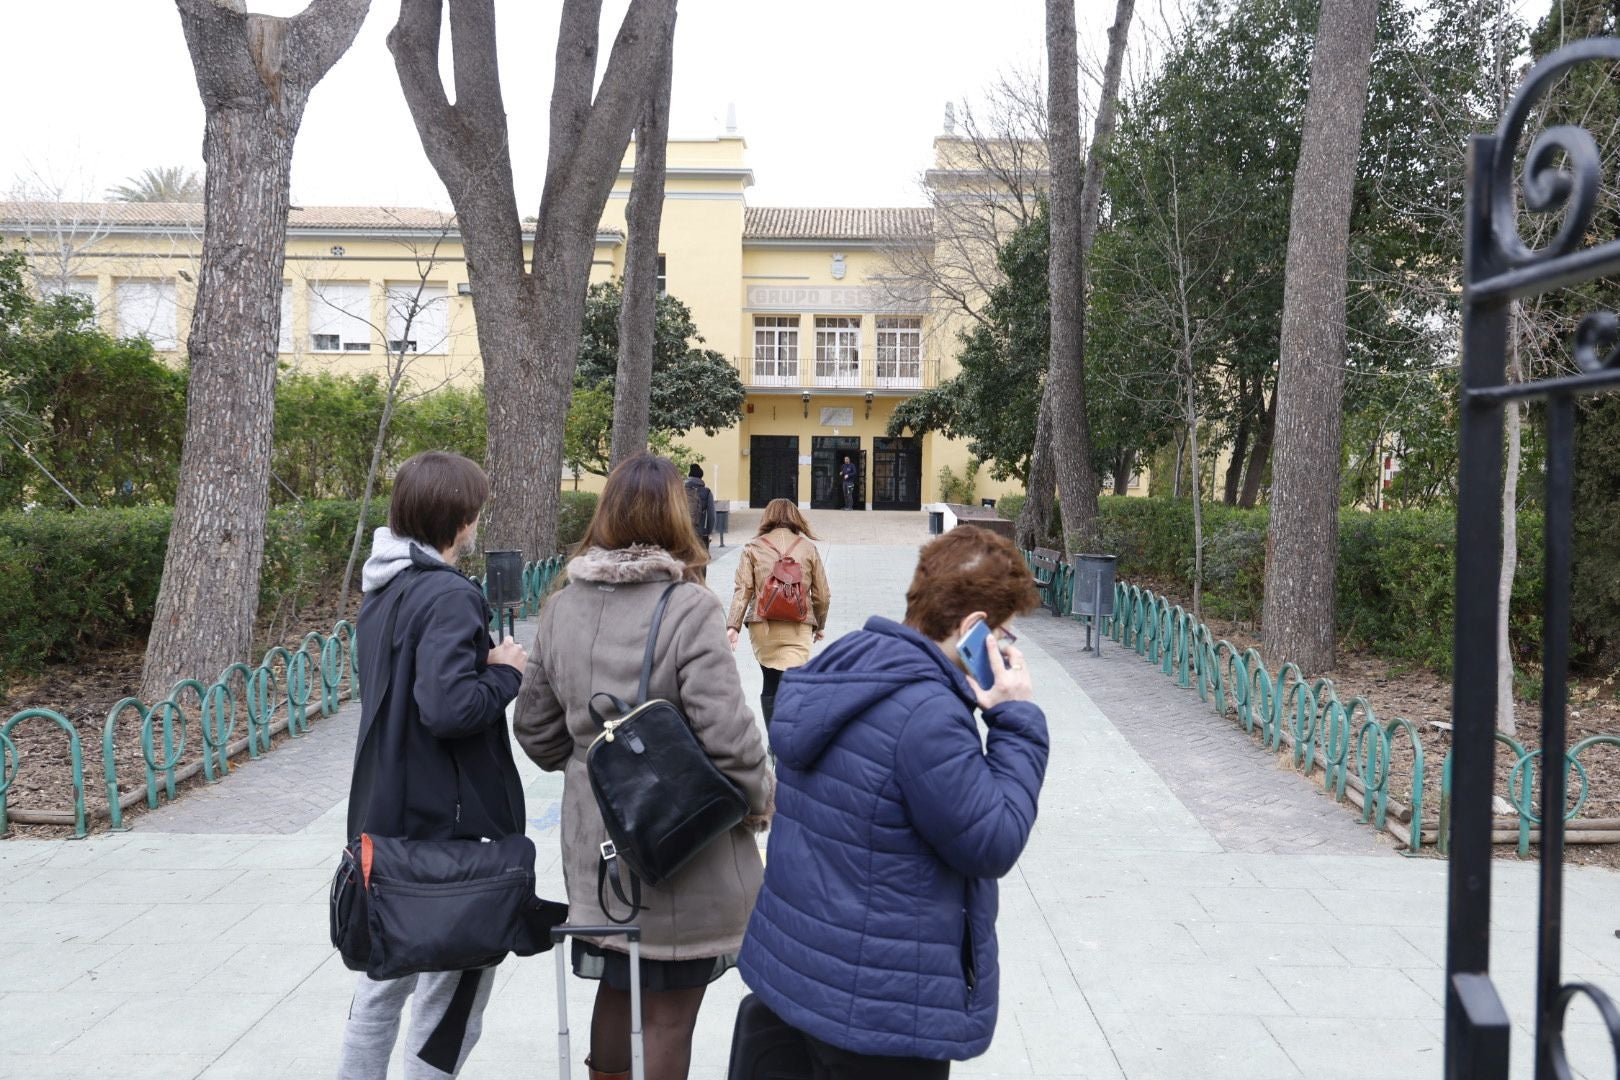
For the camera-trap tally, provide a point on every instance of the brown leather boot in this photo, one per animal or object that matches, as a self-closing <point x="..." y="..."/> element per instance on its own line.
<point x="597" y="1074"/>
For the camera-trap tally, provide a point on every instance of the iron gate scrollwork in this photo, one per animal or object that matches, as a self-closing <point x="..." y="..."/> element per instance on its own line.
<point x="1561" y="175"/>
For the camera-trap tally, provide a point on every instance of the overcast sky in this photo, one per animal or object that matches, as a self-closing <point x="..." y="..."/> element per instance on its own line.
<point x="838" y="99"/>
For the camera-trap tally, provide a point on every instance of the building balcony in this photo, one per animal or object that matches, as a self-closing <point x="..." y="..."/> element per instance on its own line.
<point x="896" y="376"/>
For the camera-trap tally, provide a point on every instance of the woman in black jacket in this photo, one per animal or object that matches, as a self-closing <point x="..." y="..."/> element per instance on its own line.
<point x="441" y="766"/>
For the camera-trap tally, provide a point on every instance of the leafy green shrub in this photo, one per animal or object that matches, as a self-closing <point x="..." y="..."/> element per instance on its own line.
<point x="958" y="489"/>
<point x="1396" y="576"/>
<point x="1009" y="507"/>
<point x="577" y="508"/>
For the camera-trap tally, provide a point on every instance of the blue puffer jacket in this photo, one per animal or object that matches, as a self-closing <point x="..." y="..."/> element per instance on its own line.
<point x="875" y="931"/>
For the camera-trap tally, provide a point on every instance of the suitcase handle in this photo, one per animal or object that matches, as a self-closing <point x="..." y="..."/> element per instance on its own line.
<point x="631" y="934"/>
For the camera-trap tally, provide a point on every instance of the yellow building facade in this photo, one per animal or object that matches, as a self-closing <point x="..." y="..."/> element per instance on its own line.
<point x="803" y="300"/>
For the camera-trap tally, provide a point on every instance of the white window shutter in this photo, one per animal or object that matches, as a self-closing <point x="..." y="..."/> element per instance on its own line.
<point x="147" y="309"/>
<point x="340" y="316"/>
<point x="425" y="308"/>
<point x="284" y="344"/>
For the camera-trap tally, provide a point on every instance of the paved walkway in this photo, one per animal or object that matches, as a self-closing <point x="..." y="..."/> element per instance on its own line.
<point x="1158" y="926"/>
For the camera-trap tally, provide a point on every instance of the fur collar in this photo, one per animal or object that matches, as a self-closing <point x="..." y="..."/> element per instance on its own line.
<point x="626" y="566"/>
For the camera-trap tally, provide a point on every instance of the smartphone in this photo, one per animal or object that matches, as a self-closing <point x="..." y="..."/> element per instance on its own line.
<point x="974" y="649"/>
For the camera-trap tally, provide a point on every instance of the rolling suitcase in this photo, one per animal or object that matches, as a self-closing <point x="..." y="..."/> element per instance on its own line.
<point x="631" y="934"/>
<point x="763" y="1047"/>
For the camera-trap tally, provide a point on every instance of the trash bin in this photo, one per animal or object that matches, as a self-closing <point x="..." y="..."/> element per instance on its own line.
<point x="722" y="518"/>
<point x="936" y="522"/>
<point x="1092" y="596"/>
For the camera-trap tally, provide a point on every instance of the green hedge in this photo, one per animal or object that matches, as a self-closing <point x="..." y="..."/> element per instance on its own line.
<point x="76" y="581"/>
<point x="1395" y="580"/>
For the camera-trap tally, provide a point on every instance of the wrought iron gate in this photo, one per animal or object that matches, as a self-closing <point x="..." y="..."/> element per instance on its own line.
<point x="1561" y="175"/>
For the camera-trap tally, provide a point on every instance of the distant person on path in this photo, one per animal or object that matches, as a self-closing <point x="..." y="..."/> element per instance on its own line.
<point x="700" y="505"/>
<point x="784" y="540"/>
<point x="847" y="474"/>
<point x="444" y="768"/>
<point x="875" y="932"/>
<point x="592" y="638"/>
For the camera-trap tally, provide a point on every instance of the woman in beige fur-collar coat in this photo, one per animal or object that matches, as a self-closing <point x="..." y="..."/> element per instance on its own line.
<point x="591" y="638"/>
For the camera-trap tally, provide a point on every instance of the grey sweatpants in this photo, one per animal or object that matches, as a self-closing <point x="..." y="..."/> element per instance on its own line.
<point x="374" y="1015"/>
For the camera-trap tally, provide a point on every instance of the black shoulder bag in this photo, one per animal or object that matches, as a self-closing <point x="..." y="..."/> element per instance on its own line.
<point x="400" y="906"/>
<point x="662" y="798"/>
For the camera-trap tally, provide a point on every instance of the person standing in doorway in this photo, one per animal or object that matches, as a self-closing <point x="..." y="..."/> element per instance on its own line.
<point x="847" y="474"/>
<point x="700" y="504"/>
<point x="781" y="595"/>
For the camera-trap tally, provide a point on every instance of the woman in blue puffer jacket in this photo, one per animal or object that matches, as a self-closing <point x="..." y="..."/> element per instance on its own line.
<point x="874" y="934"/>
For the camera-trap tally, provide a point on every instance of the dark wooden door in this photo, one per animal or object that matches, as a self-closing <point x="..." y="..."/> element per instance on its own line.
<point x="896" y="474"/>
<point x="827" y="455"/>
<point x="773" y="472"/>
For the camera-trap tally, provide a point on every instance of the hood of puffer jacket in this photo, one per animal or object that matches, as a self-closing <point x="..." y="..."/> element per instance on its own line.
<point x="389" y="555"/>
<point x="626" y="566"/>
<point x="854" y="673"/>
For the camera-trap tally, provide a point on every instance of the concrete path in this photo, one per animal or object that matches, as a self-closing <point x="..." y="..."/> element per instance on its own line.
<point x="1159" y="925"/>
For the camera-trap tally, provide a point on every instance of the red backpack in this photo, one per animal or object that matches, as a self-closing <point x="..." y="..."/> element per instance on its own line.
<point x="784" y="598"/>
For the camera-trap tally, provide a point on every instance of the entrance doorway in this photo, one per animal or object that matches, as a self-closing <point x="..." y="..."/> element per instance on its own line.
<point x="774" y="469"/>
<point x="827" y="454"/>
<point x="896" y="474"/>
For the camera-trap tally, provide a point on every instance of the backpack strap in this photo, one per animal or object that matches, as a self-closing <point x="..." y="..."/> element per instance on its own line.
<point x="365" y="765"/>
<point x="652" y="642"/>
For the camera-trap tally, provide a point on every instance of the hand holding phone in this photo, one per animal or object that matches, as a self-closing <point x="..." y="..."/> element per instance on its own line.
<point x="996" y="672"/>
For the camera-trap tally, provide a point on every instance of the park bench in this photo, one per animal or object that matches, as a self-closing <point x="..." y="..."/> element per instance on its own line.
<point x="1046" y="563"/>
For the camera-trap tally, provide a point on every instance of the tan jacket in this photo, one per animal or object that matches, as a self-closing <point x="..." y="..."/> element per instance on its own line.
<point x="591" y="638"/>
<point x="779" y="645"/>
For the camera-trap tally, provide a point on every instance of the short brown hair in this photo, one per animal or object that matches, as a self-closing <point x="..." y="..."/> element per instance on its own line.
<point x="436" y="495"/>
<point x="968" y="569"/>
<point x="782" y="514"/>
<point x="644" y="502"/>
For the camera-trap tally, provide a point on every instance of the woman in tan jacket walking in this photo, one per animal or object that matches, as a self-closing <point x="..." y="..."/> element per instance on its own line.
<point x="779" y="644"/>
<point x="591" y="639"/>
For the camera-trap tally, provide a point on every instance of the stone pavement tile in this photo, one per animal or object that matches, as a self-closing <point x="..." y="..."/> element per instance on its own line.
<point x="183" y="924"/>
<point x="179" y="1065"/>
<point x="289" y="1031"/>
<point x="291" y="924"/>
<point x="1151" y="903"/>
<point x="53" y="1020"/>
<point x="293" y="853"/>
<point x="93" y="850"/>
<point x="1418" y="878"/>
<point x="1282" y="871"/>
<point x="58" y="921"/>
<point x="1088" y="943"/>
<point x="1264" y="943"/>
<point x="44" y="883"/>
<point x="1124" y="993"/>
<point x="1168" y="1046"/>
<point x="265" y="968"/>
<point x="155" y="851"/>
<point x="149" y="887"/>
<point x="1376" y="947"/>
<point x="1350" y="993"/>
<point x="1276" y="906"/>
<point x="1055" y="1044"/>
<point x="1188" y="870"/>
<point x="174" y="1023"/>
<point x="1341" y="1049"/>
<point x="1371" y="907"/>
<point x="273" y="886"/>
<point x="50" y="966"/>
<point x="155" y="969"/>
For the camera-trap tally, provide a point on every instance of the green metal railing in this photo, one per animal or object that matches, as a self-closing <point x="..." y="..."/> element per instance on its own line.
<point x="1354" y="750"/>
<point x="281" y="694"/>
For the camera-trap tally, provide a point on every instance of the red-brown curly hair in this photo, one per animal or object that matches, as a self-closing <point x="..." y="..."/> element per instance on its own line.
<point x="968" y="569"/>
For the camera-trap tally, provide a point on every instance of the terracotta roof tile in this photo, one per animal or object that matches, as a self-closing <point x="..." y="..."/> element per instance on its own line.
<point x="836" y="223"/>
<point x="88" y="216"/>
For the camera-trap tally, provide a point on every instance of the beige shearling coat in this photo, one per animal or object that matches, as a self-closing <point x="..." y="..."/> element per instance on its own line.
<point x="591" y="638"/>
<point x="779" y="645"/>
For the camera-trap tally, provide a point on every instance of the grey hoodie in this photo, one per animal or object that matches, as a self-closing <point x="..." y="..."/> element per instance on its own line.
<point x="389" y="555"/>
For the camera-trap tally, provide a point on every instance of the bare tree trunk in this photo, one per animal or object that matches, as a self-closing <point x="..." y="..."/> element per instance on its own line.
<point x="1191" y="392"/>
<point x="529" y="318"/>
<point x="1181" y="451"/>
<point x="1505" y="721"/>
<point x="1304" y="531"/>
<point x="1259" y="457"/>
<point x="638" y="309"/>
<point x="254" y="74"/>
<point x="1035" y="521"/>
<point x="1122" y="472"/>
<point x="1240" y="448"/>
<point x="1076" y="196"/>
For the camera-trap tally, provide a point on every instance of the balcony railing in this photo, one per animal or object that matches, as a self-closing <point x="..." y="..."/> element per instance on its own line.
<point x="868" y="373"/>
